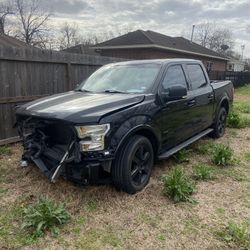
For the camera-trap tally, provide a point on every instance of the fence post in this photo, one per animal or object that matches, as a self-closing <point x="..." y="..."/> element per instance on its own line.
<point x="68" y="77"/>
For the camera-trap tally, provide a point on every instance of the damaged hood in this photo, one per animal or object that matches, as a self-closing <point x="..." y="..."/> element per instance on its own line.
<point x="79" y="107"/>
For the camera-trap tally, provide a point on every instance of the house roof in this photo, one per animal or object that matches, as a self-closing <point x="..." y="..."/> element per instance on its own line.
<point x="151" y="39"/>
<point x="81" y="49"/>
<point x="8" y="41"/>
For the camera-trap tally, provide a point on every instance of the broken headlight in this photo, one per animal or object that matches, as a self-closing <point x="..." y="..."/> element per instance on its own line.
<point x="92" y="137"/>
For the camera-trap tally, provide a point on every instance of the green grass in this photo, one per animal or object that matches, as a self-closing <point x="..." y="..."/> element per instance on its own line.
<point x="78" y="224"/>
<point x="91" y="204"/>
<point x="247" y="156"/>
<point x="11" y="234"/>
<point x="236" y="120"/>
<point x="204" y="148"/>
<point x="202" y="172"/>
<point x="5" y="150"/>
<point x="162" y="237"/>
<point x="220" y="211"/>
<point x="243" y="90"/>
<point x="44" y="215"/>
<point x="222" y="155"/>
<point x="178" y="186"/>
<point x="182" y="155"/>
<point x="242" y="107"/>
<point x="237" y="234"/>
<point x="96" y="239"/>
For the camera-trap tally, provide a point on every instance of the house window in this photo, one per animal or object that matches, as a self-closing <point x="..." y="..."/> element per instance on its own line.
<point x="209" y="65"/>
<point x="230" y="67"/>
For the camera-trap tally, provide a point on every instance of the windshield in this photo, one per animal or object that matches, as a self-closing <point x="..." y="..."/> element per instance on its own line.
<point x="137" y="78"/>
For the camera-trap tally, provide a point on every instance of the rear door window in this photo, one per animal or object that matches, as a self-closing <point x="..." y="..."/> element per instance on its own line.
<point x="196" y="76"/>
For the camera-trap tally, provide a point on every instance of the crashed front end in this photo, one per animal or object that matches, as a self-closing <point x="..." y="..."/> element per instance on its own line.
<point x="60" y="148"/>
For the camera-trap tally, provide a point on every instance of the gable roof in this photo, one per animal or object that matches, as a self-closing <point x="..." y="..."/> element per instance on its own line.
<point x="149" y="39"/>
<point x="8" y="41"/>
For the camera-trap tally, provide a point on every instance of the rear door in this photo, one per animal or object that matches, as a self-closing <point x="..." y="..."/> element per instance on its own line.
<point x="201" y="95"/>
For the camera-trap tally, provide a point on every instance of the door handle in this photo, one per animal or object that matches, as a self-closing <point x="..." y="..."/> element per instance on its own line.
<point x="210" y="96"/>
<point x="191" y="103"/>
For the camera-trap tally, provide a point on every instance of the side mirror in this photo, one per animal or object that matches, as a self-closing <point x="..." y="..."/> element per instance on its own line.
<point x="175" y="92"/>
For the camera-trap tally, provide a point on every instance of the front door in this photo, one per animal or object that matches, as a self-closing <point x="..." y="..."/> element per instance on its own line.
<point x="176" y="116"/>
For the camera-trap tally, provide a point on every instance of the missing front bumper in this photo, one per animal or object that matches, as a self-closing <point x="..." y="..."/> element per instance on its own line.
<point x="55" y="150"/>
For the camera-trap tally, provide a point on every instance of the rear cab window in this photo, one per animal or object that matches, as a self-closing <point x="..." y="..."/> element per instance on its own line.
<point x="196" y="76"/>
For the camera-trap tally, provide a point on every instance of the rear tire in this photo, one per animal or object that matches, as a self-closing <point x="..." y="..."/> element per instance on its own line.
<point x="133" y="166"/>
<point x="220" y="123"/>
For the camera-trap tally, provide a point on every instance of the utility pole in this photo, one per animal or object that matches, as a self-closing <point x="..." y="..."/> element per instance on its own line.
<point x="242" y="51"/>
<point x="192" y="35"/>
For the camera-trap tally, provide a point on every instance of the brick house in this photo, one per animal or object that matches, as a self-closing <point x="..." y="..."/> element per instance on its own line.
<point x="141" y="44"/>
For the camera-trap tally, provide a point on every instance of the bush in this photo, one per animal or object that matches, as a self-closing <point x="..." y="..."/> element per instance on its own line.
<point x="222" y="155"/>
<point x="177" y="185"/>
<point x="237" y="234"/>
<point x="44" y="215"/>
<point x="202" y="172"/>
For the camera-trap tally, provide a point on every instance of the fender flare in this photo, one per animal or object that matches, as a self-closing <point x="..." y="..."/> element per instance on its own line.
<point x="134" y="130"/>
<point x="224" y="98"/>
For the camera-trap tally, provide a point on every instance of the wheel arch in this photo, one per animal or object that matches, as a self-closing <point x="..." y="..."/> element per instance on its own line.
<point x="225" y="104"/>
<point x="143" y="130"/>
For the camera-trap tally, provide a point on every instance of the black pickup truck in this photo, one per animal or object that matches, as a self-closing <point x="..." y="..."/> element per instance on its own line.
<point x="121" y="119"/>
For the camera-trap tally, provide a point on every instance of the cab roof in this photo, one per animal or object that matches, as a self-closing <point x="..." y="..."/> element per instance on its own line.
<point x="157" y="61"/>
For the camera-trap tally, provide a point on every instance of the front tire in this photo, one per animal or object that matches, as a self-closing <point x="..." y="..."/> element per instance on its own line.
<point x="133" y="166"/>
<point x="220" y="123"/>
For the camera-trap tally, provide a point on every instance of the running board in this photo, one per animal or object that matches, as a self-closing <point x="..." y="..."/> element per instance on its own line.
<point x="184" y="144"/>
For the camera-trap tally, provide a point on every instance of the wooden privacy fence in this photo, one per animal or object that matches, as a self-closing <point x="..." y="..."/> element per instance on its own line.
<point x="27" y="74"/>
<point x="238" y="78"/>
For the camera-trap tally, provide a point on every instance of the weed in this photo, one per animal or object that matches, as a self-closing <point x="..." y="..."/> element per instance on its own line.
<point x="234" y="120"/>
<point x="182" y="155"/>
<point x="44" y="215"/>
<point x="237" y="234"/>
<point x="177" y="185"/>
<point x="222" y="155"/>
<point x="5" y="150"/>
<point x="202" y="172"/>
<point x="162" y="237"/>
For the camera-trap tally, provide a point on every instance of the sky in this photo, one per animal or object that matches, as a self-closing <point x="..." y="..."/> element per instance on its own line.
<point x="173" y="18"/>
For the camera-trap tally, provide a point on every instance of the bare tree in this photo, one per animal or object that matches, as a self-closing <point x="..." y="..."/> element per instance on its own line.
<point x="69" y="36"/>
<point x="32" y="20"/>
<point x="203" y="32"/>
<point x="5" y="10"/>
<point x="214" y="37"/>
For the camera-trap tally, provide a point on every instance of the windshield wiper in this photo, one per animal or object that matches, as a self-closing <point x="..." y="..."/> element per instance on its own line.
<point x="83" y="90"/>
<point x="113" y="91"/>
